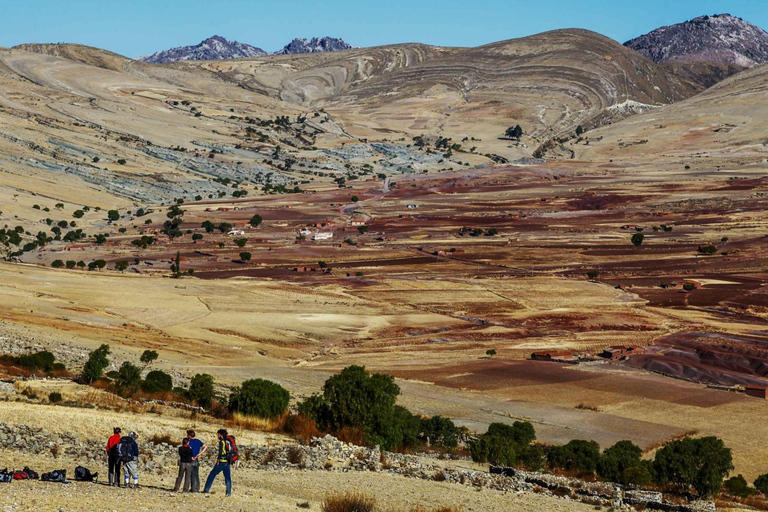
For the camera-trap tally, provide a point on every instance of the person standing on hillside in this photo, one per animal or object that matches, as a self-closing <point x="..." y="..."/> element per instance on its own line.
<point x="198" y="449"/>
<point x="112" y="459"/>
<point x="222" y="463"/>
<point x="128" y="451"/>
<point x="185" y="465"/>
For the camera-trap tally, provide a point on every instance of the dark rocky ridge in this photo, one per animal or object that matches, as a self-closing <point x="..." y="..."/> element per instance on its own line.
<point x="314" y="45"/>
<point x="213" y="48"/>
<point x="721" y="39"/>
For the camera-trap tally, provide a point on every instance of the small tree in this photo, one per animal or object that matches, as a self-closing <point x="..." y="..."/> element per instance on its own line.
<point x="128" y="378"/>
<point x="259" y="397"/>
<point x="637" y="239"/>
<point x="245" y="256"/>
<point x="578" y="455"/>
<point x="439" y="431"/>
<point x="491" y="352"/>
<point x="240" y="242"/>
<point x="322" y="264"/>
<point x="148" y="357"/>
<point x="113" y="215"/>
<point x="121" y="265"/>
<point x="355" y="199"/>
<point x="579" y="130"/>
<point x="95" y="365"/>
<point x="701" y="464"/>
<point x="618" y="458"/>
<point x="256" y="221"/>
<point x="57" y="264"/>
<point x="201" y="389"/>
<point x="592" y="275"/>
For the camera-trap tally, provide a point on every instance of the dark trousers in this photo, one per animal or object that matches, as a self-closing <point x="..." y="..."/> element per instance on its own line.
<point x="195" y="476"/>
<point x="221" y="467"/>
<point x="114" y="470"/>
<point x="185" y="468"/>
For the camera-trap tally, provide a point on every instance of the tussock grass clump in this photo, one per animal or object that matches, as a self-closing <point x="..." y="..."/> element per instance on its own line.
<point x="246" y="422"/>
<point x="348" y="502"/>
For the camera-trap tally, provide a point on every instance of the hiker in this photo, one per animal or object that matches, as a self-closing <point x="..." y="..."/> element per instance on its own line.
<point x="128" y="452"/>
<point x="198" y="449"/>
<point x="185" y="465"/>
<point x="226" y="453"/>
<point x="114" y="461"/>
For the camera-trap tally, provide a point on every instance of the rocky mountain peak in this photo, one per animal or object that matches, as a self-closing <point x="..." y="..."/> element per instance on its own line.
<point x="720" y="38"/>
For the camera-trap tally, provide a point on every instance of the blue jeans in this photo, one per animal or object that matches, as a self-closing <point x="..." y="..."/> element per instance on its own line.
<point x="218" y="468"/>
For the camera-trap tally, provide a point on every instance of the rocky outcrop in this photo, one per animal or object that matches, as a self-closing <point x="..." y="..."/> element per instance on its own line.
<point x="722" y="39"/>
<point x="213" y="48"/>
<point x="314" y="45"/>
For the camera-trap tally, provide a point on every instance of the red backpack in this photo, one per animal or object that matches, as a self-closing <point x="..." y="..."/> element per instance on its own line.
<point x="231" y="454"/>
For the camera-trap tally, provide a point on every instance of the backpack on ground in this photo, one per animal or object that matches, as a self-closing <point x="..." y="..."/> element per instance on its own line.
<point x="59" y="475"/>
<point x="5" y="476"/>
<point x="83" y="474"/>
<point x="20" y="475"/>
<point x="32" y="475"/>
<point x="125" y="449"/>
<point x="231" y="445"/>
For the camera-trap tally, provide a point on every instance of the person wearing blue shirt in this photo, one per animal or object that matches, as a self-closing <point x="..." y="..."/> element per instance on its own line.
<point x="198" y="449"/>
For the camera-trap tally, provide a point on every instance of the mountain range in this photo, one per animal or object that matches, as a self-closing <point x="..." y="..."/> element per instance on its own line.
<point x="219" y="48"/>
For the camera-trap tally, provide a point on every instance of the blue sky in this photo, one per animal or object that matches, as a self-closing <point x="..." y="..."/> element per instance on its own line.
<point x="139" y="27"/>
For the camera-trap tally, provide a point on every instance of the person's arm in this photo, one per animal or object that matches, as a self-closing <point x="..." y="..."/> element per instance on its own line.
<point x="202" y="451"/>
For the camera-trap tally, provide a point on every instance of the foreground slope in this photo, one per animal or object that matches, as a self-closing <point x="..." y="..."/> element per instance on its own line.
<point x="726" y="122"/>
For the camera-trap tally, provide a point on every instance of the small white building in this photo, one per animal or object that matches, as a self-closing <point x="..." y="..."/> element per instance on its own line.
<point x="236" y="232"/>
<point x="323" y="236"/>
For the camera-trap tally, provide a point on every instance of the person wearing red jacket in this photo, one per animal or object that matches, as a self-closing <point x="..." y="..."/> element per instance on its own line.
<point x="114" y="462"/>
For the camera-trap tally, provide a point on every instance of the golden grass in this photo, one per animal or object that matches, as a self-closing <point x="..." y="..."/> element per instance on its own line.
<point x="348" y="502"/>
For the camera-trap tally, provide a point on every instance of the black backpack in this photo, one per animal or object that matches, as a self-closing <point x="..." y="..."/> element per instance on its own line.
<point x="32" y="475"/>
<point x="60" y="475"/>
<point x="125" y="449"/>
<point x="84" y="475"/>
<point x="5" y="476"/>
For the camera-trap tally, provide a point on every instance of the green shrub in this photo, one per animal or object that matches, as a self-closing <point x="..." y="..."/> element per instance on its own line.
<point x="738" y="486"/>
<point x="259" y="397"/>
<point x="576" y="455"/>
<point x="54" y="397"/>
<point x="157" y="381"/>
<point x="506" y="445"/>
<point x="761" y="484"/>
<point x="619" y="457"/>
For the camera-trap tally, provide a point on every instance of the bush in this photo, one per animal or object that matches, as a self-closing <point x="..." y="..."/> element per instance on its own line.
<point x="576" y="455"/>
<point x="42" y="360"/>
<point x="259" y="397"/>
<point x="619" y="457"/>
<point x="440" y="431"/>
<point x="54" y="397"/>
<point x="504" y="444"/>
<point x="245" y="256"/>
<point x="638" y="476"/>
<point x="348" y="502"/>
<point x="637" y="239"/>
<point x="95" y="365"/>
<point x="738" y="486"/>
<point x="121" y="265"/>
<point x="687" y="463"/>
<point x="761" y="484"/>
<point x="57" y="264"/>
<point x="113" y="215"/>
<point x="256" y="221"/>
<point x="157" y="381"/>
<point x="201" y="389"/>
